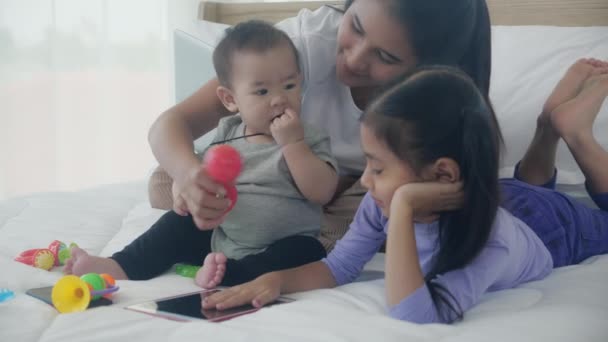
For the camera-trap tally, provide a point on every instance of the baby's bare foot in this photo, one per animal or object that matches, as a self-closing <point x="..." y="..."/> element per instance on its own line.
<point x="574" y="119"/>
<point x="212" y="272"/>
<point x="82" y="263"/>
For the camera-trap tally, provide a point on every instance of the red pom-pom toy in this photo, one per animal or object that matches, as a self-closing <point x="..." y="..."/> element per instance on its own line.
<point x="223" y="164"/>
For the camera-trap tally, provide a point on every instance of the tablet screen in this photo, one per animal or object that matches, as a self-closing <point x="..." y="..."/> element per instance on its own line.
<point x="188" y="307"/>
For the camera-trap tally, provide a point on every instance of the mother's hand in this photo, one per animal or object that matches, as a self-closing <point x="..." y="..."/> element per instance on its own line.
<point x="198" y="195"/>
<point x="259" y="292"/>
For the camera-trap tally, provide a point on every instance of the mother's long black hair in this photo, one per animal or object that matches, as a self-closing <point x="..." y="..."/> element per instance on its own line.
<point x="444" y="32"/>
<point x="455" y="32"/>
<point x="437" y="112"/>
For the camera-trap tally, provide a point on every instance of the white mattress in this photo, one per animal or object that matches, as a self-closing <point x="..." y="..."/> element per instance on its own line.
<point x="570" y="305"/>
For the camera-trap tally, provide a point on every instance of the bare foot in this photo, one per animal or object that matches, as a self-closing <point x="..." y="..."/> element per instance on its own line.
<point x="570" y="84"/>
<point x="574" y="119"/>
<point x="212" y="272"/>
<point x="538" y="164"/>
<point x="82" y="263"/>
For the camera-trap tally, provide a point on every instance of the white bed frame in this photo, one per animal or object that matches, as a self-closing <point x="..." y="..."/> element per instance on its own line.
<point x="502" y="12"/>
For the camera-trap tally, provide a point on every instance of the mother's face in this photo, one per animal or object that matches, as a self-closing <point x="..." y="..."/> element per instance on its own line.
<point x="373" y="47"/>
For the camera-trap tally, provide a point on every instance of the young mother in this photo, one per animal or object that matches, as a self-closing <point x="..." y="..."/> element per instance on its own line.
<point x="346" y="56"/>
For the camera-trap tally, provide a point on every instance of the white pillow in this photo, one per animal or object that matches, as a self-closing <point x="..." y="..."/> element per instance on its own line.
<point x="527" y="63"/>
<point x="208" y="32"/>
<point x="195" y="56"/>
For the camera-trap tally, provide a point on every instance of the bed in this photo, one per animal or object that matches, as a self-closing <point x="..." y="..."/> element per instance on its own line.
<point x="534" y="41"/>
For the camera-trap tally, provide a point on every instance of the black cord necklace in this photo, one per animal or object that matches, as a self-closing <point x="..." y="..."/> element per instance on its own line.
<point x="231" y="139"/>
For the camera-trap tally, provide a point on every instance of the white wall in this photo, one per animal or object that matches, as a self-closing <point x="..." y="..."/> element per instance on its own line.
<point x="81" y="81"/>
<point x="80" y="84"/>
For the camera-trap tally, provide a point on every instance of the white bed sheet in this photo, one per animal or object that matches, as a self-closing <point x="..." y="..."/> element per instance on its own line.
<point x="570" y="305"/>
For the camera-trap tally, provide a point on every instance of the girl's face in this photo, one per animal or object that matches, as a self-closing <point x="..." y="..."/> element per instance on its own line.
<point x="373" y="47"/>
<point x="384" y="172"/>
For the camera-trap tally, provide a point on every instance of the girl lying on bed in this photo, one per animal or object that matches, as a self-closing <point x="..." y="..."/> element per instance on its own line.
<point x="425" y="139"/>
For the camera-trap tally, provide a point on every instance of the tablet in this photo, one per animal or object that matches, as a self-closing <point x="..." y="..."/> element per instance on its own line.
<point x="187" y="307"/>
<point x="44" y="294"/>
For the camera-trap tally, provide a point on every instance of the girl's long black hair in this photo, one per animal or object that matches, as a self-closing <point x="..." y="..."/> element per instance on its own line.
<point x="436" y="112"/>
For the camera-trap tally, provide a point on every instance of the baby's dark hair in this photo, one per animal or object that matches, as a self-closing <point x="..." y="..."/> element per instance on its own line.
<point x="252" y="36"/>
<point x="438" y="112"/>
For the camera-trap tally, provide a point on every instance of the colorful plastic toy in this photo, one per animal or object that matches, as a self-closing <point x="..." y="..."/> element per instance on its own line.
<point x="188" y="271"/>
<point x="46" y="258"/>
<point x="223" y="164"/>
<point x="39" y="257"/>
<point x="74" y="294"/>
<point x="61" y="251"/>
<point x="6" y="294"/>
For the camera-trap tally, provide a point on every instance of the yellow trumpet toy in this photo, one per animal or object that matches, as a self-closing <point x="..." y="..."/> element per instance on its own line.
<point x="74" y="294"/>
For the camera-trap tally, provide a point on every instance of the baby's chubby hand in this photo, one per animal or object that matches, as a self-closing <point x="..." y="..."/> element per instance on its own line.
<point x="287" y="128"/>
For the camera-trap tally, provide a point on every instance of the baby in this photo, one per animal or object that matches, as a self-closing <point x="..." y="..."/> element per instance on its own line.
<point x="288" y="174"/>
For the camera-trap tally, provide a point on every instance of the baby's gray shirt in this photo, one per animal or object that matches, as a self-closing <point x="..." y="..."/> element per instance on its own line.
<point x="269" y="206"/>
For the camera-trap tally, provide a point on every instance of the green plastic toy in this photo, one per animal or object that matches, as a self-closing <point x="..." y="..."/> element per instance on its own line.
<point x="188" y="271"/>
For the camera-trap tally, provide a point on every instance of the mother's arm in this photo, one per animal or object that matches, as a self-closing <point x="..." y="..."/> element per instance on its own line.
<point x="171" y="139"/>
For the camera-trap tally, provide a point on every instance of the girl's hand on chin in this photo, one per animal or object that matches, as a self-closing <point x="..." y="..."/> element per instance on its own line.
<point x="428" y="198"/>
